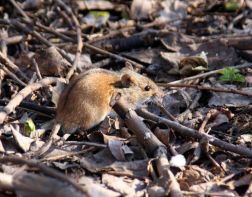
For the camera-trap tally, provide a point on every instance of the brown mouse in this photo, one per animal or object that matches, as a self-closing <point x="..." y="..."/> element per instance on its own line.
<point x="85" y="102"/>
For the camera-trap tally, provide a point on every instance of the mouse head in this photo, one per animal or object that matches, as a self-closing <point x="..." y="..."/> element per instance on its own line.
<point x="138" y="88"/>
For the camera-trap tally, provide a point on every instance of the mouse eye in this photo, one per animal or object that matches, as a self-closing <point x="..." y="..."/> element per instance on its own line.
<point x="147" y="88"/>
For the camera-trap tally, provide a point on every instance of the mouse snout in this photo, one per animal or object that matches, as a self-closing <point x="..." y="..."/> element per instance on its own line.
<point x="157" y="97"/>
<point x="159" y="94"/>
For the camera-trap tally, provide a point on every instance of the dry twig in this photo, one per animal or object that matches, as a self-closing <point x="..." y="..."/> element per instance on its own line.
<point x="24" y="93"/>
<point x="20" y="10"/>
<point x="79" y="38"/>
<point x="188" y="132"/>
<point x="202" y="75"/>
<point x="9" y="64"/>
<point x="150" y="143"/>
<point x="49" y="142"/>
<point x="34" y="63"/>
<point x="213" y="89"/>
<point x="12" y="75"/>
<point x="46" y="170"/>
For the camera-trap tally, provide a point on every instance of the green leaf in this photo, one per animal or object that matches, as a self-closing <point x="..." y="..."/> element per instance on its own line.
<point x="99" y="14"/>
<point x="232" y="5"/>
<point x="239" y="78"/>
<point x="231" y="75"/>
<point x="29" y="126"/>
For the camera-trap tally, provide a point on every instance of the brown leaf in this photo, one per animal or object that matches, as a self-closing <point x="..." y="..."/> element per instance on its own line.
<point x="95" y="189"/>
<point x="104" y="161"/>
<point x="194" y="175"/>
<point x="123" y="185"/>
<point x="141" y="9"/>
<point x="213" y="187"/>
<point x="119" y="150"/>
<point x="50" y="62"/>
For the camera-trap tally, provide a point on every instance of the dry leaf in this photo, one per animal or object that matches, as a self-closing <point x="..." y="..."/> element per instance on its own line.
<point x="23" y="142"/>
<point x="123" y="185"/>
<point x="141" y="9"/>
<point x="95" y="189"/>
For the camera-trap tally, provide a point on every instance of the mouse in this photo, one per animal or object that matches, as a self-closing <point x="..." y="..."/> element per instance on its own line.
<point x="85" y="102"/>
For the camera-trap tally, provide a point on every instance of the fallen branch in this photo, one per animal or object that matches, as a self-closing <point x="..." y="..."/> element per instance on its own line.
<point x="144" y="136"/>
<point x="30" y="106"/>
<point x="188" y="132"/>
<point x="22" y="184"/>
<point x="151" y="144"/>
<point x="66" y="155"/>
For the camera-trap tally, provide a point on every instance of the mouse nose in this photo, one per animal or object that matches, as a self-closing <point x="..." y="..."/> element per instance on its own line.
<point x="157" y="98"/>
<point x="159" y="94"/>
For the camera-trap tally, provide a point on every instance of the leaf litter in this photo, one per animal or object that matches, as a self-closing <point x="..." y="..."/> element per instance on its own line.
<point x="198" y="52"/>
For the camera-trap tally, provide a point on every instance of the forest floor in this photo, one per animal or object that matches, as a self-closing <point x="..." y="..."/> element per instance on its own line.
<point x="194" y="141"/>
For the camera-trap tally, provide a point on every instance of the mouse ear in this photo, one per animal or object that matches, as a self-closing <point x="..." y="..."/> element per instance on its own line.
<point x="129" y="66"/>
<point x="127" y="80"/>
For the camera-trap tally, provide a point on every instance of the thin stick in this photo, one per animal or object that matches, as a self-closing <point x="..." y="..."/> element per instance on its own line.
<point x="27" y="30"/>
<point x="112" y="55"/>
<point x="17" y="39"/>
<point x="20" y="10"/>
<point x="3" y="49"/>
<point x="24" y="93"/>
<point x="165" y="111"/>
<point x="52" y="31"/>
<point x="210" y="114"/>
<point x="188" y="132"/>
<point x="213" y="89"/>
<point x="37" y="35"/>
<point x="194" y="103"/>
<point x="99" y="145"/>
<point x="8" y="63"/>
<point x="12" y="75"/>
<point x="46" y="170"/>
<point x="42" y="110"/>
<point x="65" y="17"/>
<point x="37" y="68"/>
<point x="67" y="155"/>
<point x="245" y="65"/>
<point x="151" y="144"/>
<point x="3" y="46"/>
<point x="49" y="142"/>
<point x="79" y="38"/>
<point x="98" y="50"/>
